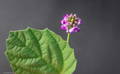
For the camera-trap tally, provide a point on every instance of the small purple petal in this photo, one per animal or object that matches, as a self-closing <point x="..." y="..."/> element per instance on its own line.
<point x="74" y="29"/>
<point x="78" y="21"/>
<point x="71" y="30"/>
<point x="66" y="17"/>
<point x="71" y="15"/>
<point x="63" y="27"/>
<point x="63" y="22"/>
<point x="74" y="15"/>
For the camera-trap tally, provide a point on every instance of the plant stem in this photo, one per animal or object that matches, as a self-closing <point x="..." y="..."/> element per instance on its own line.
<point x="68" y="37"/>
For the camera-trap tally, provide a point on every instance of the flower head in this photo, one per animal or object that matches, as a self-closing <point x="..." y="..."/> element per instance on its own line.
<point x="70" y="23"/>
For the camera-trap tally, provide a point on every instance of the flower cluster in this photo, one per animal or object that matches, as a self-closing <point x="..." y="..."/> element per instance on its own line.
<point x="70" y="23"/>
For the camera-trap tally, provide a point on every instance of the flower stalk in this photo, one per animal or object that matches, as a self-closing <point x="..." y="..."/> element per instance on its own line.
<point x="68" y="37"/>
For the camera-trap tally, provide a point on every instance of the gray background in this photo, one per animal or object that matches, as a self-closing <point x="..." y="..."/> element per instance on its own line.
<point x="97" y="46"/>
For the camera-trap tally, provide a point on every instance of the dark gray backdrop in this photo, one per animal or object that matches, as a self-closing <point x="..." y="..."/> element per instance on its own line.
<point x="97" y="46"/>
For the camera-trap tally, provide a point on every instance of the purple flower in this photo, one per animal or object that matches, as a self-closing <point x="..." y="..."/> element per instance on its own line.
<point x="70" y="23"/>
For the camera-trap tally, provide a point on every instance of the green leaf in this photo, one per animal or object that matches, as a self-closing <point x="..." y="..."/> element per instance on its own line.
<point x="33" y="51"/>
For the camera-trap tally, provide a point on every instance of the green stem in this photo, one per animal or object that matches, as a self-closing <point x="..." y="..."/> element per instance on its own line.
<point x="68" y="37"/>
